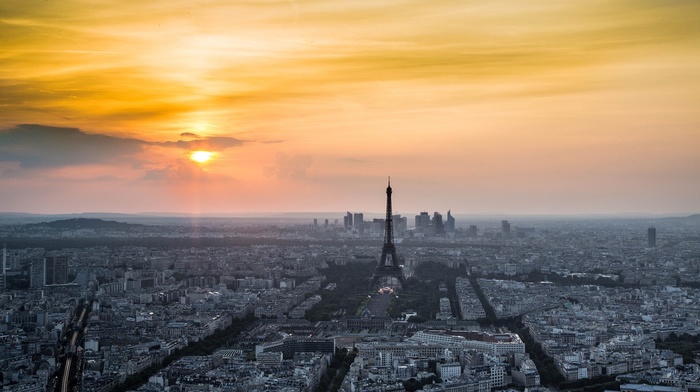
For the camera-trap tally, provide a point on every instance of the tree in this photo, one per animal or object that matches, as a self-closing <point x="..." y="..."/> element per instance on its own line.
<point x="412" y="385"/>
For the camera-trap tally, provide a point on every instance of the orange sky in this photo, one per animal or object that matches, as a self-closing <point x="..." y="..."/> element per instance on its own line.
<point x="521" y="107"/>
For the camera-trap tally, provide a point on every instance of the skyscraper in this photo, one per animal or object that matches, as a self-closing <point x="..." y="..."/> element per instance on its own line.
<point x="4" y="267"/>
<point x="438" y="224"/>
<point x="59" y="267"/>
<point x="450" y="223"/>
<point x="37" y="272"/>
<point x="400" y="225"/>
<point x="48" y="270"/>
<point x="358" y="218"/>
<point x="358" y="221"/>
<point x="505" y="228"/>
<point x="422" y="221"/>
<point x="651" y="237"/>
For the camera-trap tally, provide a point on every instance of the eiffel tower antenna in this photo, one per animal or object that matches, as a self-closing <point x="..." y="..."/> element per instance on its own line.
<point x="388" y="264"/>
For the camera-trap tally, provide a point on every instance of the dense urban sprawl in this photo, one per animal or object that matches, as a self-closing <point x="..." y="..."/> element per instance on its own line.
<point x="233" y="312"/>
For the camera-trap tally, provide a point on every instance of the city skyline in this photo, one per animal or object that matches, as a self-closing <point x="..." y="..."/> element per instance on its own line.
<point x="301" y="106"/>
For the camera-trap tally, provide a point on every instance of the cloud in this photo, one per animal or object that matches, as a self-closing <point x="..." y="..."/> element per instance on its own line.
<point x="37" y="146"/>
<point x="216" y="143"/>
<point x="189" y="135"/>
<point x="42" y="146"/>
<point x="287" y="64"/>
<point x="10" y="170"/>
<point x="353" y="160"/>
<point x="181" y="169"/>
<point x="287" y="166"/>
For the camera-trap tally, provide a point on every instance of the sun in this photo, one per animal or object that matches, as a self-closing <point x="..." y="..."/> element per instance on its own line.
<point x="201" y="156"/>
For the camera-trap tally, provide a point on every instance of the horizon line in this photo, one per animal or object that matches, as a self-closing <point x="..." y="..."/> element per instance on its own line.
<point x="341" y="213"/>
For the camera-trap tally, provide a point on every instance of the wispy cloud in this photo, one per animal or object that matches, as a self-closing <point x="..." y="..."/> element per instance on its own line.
<point x="190" y="135"/>
<point x="290" y="166"/>
<point x="215" y="143"/>
<point x="298" y="55"/>
<point x="354" y="160"/>
<point x="424" y="89"/>
<point x="179" y="170"/>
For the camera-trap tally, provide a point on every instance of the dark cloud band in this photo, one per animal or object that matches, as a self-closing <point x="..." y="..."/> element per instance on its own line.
<point x="40" y="146"/>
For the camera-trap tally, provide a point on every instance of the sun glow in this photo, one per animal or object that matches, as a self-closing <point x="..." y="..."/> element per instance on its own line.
<point x="201" y="156"/>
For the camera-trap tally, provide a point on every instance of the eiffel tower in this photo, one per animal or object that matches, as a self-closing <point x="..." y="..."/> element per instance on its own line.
<point x="388" y="264"/>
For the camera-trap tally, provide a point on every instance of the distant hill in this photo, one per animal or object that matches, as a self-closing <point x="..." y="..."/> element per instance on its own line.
<point x="85" y="223"/>
<point x="695" y="218"/>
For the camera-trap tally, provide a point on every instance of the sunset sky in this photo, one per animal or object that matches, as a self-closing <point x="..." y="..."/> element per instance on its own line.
<point x="518" y="107"/>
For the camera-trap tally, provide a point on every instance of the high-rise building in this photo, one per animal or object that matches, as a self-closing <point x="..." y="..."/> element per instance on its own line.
<point x="358" y="222"/>
<point x="4" y="268"/>
<point x="438" y="224"/>
<point x="37" y="272"/>
<point x="450" y="223"/>
<point x="358" y="218"/>
<point x="48" y="270"/>
<point x="473" y="231"/>
<point x="505" y="228"/>
<point x="651" y="237"/>
<point x="422" y="221"/>
<point x="59" y="265"/>
<point x="400" y="225"/>
<point x="13" y="261"/>
<point x="349" y="216"/>
<point x="378" y="226"/>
